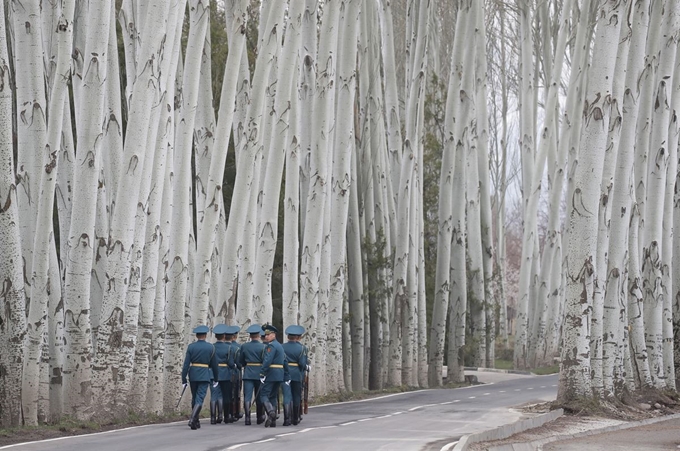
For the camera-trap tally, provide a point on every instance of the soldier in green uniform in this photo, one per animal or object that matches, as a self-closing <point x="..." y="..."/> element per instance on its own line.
<point x="250" y="358"/>
<point x="296" y="354"/>
<point x="200" y="367"/>
<point x="225" y="362"/>
<point x="237" y="377"/>
<point x="274" y="371"/>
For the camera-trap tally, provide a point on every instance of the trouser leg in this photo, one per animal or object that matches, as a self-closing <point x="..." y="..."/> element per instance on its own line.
<point x="287" y="413"/>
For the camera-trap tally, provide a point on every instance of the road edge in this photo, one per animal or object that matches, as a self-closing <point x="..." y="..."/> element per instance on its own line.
<point x="507" y="430"/>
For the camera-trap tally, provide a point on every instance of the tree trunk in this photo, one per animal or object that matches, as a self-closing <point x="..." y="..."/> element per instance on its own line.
<point x="324" y="106"/>
<point x="41" y="285"/>
<point x="581" y="267"/>
<point x="13" y="315"/>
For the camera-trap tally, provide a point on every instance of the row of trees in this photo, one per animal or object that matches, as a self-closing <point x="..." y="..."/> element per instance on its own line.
<point x="151" y="181"/>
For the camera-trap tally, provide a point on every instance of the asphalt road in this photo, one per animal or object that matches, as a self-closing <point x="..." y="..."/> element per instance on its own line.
<point x="421" y="420"/>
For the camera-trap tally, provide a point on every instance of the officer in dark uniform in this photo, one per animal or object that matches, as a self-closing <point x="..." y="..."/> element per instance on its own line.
<point x="250" y="359"/>
<point x="228" y="389"/>
<point x="274" y="371"/>
<point x="296" y="354"/>
<point x="225" y="362"/>
<point x="201" y="368"/>
<point x="237" y="377"/>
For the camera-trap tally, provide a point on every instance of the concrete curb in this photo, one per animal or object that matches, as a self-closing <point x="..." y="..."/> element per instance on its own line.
<point x="537" y="445"/>
<point x="506" y="431"/>
<point x="494" y="370"/>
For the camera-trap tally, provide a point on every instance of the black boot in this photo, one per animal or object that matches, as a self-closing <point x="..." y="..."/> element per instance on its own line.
<point x="228" y="415"/>
<point x="193" y="421"/>
<point x="246" y="407"/>
<point x="260" y="412"/>
<point x="270" y="421"/>
<point x="287" y="413"/>
<point x="220" y="409"/>
<point x="213" y="408"/>
<point x="296" y="415"/>
<point x="236" y="411"/>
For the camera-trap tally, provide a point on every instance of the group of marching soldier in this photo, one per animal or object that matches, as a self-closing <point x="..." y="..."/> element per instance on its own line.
<point x="262" y="365"/>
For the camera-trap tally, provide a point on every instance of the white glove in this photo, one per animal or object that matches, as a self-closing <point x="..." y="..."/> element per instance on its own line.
<point x="309" y="368"/>
<point x="263" y="378"/>
<point x="288" y="383"/>
<point x="184" y="385"/>
<point x="215" y="384"/>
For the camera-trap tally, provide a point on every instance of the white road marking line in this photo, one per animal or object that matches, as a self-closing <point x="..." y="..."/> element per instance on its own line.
<point x="530" y="388"/>
<point x="445" y="403"/>
<point x="384" y="416"/>
<point x="421" y="407"/>
<point x="456" y="400"/>
<point x="472" y="397"/>
<point x="365" y="419"/>
<point x="502" y="391"/>
<point x="379" y="397"/>
<point x="448" y="446"/>
<point x="306" y="430"/>
<point x="85" y="435"/>
<point x="397" y="413"/>
<point x="285" y="435"/>
<point x="238" y="446"/>
<point x="348" y="423"/>
<point x="265" y="440"/>
<point x="486" y="394"/>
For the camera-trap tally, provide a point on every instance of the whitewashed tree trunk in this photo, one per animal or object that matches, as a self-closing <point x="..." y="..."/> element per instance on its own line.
<point x="112" y="161"/>
<point x="667" y="239"/>
<point x="412" y="147"/>
<point x="646" y="103"/>
<point x="456" y="106"/>
<point x="458" y="302"/>
<point x="213" y="202"/>
<point x="548" y="142"/>
<point x="675" y="269"/>
<point x="583" y="220"/>
<point x="343" y="148"/>
<point x="159" y="396"/>
<point x="488" y="252"/>
<point x="237" y="264"/>
<point x="147" y="383"/>
<point x="13" y="315"/>
<point x="324" y="106"/>
<point x="602" y="317"/>
<point x="658" y="161"/>
<point x="31" y="106"/>
<point x="355" y="285"/>
<point x="291" y="223"/>
<point x="306" y="89"/>
<point x="616" y="281"/>
<point x="394" y="138"/>
<point x="113" y="372"/>
<point x="638" y="349"/>
<point x="41" y="284"/>
<point x="82" y="238"/>
<point x="281" y="142"/>
<point x="527" y="151"/>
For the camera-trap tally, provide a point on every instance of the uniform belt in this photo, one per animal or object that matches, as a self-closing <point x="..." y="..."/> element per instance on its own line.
<point x="275" y="366"/>
<point x="253" y="364"/>
<point x="222" y="364"/>
<point x="202" y="365"/>
<point x="292" y="364"/>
